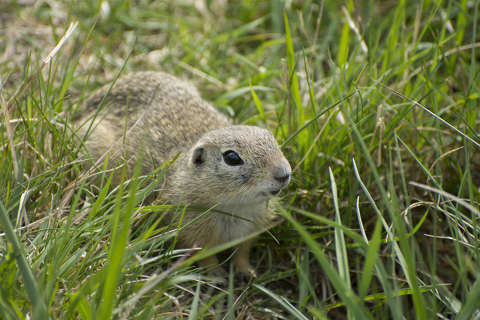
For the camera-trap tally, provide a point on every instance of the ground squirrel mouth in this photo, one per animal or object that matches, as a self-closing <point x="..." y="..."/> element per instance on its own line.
<point x="274" y="192"/>
<point x="270" y="193"/>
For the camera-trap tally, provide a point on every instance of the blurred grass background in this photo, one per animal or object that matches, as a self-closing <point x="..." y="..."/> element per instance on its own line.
<point x="375" y="104"/>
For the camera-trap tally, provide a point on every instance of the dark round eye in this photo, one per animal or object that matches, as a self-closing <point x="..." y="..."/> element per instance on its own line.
<point x="232" y="158"/>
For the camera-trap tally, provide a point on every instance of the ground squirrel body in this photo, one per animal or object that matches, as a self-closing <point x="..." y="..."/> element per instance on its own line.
<point x="234" y="168"/>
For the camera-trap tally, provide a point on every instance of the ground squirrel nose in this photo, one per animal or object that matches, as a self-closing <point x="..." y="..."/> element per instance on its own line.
<point x="281" y="174"/>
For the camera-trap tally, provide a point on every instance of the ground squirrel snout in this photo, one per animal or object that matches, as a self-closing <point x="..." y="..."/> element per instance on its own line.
<point x="236" y="169"/>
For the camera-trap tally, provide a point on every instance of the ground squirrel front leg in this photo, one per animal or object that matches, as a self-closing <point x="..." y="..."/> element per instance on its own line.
<point x="241" y="260"/>
<point x="211" y="263"/>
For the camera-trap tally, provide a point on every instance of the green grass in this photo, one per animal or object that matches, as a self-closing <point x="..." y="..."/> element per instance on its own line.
<point x="375" y="104"/>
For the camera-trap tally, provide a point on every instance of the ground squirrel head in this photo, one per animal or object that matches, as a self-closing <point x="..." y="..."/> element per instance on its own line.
<point x="235" y="165"/>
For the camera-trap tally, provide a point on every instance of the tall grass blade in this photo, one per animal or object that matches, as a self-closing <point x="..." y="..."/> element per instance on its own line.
<point x="196" y="299"/>
<point x="31" y="285"/>
<point x="471" y="307"/>
<point x="258" y="103"/>
<point x="370" y="260"/>
<point x="120" y="231"/>
<point x="351" y="300"/>
<point x="311" y="121"/>
<point x="294" y="88"/>
<point x="448" y="196"/>
<point x="404" y="249"/>
<point x="340" y="247"/>
<point x="343" y="47"/>
<point x="475" y="143"/>
<point x="296" y="314"/>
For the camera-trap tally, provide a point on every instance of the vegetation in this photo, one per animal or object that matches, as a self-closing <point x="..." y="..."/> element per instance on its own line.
<point x="375" y="104"/>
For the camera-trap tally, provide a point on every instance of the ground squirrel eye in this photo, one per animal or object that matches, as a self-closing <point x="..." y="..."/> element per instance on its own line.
<point x="232" y="158"/>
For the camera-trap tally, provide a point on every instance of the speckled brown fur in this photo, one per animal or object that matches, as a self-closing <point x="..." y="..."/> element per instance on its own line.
<point x="162" y="116"/>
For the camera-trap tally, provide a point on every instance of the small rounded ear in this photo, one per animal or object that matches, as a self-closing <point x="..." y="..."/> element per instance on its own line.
<point x="198" y="157"/>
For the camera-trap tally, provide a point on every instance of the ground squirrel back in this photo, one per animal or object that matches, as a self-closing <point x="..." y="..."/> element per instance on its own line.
<point x="234" y="168"/>
<point x="162" y="114"/>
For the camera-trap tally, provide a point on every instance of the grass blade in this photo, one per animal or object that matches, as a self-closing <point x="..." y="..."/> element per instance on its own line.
<point x="370" y="260"/>
<point x="340" y="247"/>
<point x="471" y="306"/>
<point x="475" y="143"/>
<point x="311" y="121"/>
<point x="283" y="302"/>
<point x="402" y="250"/>
<point x="120" y="231"/>
<point x="293" y="87"/>
<point x="196" y="299"/>
<point x="31" y="285"/>
<point x="258" y="103"/>
<point x="351" y="300"/>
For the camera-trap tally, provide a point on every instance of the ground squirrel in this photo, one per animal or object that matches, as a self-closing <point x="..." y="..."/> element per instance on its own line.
<point x="234" y="168"/>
